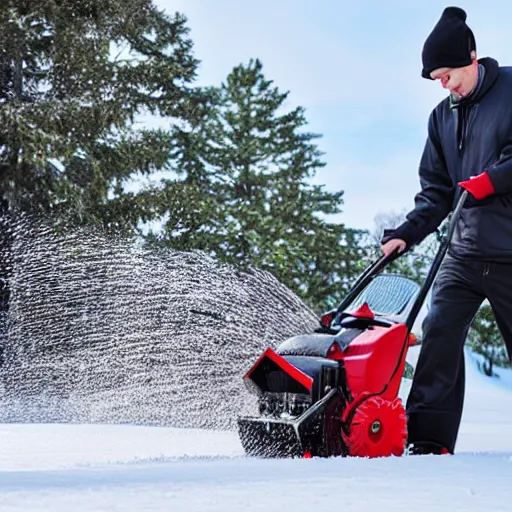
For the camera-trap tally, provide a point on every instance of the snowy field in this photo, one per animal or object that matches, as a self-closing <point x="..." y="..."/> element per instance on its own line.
<point x="123" y="468"/>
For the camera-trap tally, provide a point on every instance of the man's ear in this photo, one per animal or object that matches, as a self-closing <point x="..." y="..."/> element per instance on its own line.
<point x="473" y="55"/>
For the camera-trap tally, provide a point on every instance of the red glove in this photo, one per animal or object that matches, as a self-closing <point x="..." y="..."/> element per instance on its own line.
<point x="479" y="186"/>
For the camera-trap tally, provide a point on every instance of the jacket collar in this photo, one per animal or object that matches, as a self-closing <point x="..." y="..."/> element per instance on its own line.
<point x="490" y="75"/>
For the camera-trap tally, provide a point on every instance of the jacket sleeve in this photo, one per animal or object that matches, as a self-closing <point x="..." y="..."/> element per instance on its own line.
<point x="434" y="201"/>
<point x="500" y="173"/>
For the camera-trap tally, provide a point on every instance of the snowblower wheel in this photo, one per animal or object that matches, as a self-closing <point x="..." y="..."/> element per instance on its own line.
<point x="378" y="429"/>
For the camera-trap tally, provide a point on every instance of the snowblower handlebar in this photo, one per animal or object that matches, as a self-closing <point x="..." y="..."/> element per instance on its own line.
<point x="378" y="266"/>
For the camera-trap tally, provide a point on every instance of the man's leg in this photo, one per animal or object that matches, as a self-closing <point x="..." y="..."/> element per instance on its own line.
<point x="434" y="405"/>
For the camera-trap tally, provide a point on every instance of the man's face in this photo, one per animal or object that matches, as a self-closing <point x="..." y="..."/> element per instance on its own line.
<point x="459" y="81"/>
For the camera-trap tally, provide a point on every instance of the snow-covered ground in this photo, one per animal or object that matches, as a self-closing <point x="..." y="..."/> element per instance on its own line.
<point x="124" y="468"/>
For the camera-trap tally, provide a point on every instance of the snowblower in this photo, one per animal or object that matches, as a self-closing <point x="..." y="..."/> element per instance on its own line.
<point x="334" y="392"/>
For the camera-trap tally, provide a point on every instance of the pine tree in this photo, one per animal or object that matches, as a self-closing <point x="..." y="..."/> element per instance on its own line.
<point x="485" y="339"/>
<point x="74" y="77"/>
<point x="187" y="202"/>
<point x="254" y="173"/>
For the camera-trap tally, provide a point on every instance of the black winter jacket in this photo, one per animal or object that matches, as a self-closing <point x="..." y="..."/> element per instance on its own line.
<point x="465" y="140"/>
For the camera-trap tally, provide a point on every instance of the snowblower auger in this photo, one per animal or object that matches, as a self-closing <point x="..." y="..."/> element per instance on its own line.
<point x="335" y="391"/>
<point x="301" y="398"/>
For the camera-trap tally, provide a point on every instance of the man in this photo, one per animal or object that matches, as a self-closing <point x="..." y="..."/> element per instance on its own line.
<point x="469" y="146"/>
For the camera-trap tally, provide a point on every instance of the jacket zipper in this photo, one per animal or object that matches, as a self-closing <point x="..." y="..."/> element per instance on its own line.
<point x="462" y="128"/>
<point x="466" y="114"/>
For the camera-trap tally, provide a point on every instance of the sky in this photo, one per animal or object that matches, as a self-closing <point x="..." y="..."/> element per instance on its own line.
<point x="356" y="69"/>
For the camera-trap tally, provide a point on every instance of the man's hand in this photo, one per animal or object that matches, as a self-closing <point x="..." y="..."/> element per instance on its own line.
<point x="478" y="186"/>
<point x="391" y="245"/>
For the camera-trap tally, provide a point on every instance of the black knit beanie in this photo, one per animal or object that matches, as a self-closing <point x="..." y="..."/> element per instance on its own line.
<point x="450" y="43"/>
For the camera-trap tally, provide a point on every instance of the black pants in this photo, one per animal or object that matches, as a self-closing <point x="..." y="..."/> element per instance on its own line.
<point x="435" y="403"/>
